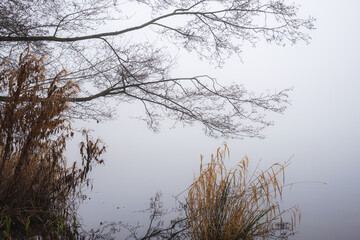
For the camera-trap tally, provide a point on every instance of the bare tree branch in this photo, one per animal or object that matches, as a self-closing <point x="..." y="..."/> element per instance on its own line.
<point x="111" y="64"/>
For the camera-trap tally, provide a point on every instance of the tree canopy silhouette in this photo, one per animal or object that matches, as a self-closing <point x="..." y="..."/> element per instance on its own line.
<point x="112" y="52"/>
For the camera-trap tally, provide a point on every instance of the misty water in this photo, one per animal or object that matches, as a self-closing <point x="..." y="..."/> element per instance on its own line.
<point x="319" y="132"/>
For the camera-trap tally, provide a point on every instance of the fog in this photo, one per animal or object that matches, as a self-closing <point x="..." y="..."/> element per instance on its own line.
<point x="319" y="132"/>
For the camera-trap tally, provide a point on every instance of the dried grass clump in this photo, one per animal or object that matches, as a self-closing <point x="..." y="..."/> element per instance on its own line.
<point x="229" y="204"/>
<point x="36" y="186"/>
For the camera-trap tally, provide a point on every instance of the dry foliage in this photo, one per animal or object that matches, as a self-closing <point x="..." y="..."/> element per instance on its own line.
<point x="36" y="185"/>
<point x="230" y="204"/>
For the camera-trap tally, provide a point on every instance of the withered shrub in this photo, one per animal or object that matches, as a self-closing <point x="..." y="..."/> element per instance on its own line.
<point x="36" y="186"/>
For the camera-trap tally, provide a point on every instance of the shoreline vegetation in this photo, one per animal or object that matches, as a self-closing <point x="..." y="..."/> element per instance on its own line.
<point x="39" y="194"/>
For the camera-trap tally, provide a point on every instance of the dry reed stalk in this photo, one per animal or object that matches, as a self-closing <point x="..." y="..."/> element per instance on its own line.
<point x="229" y="204"/>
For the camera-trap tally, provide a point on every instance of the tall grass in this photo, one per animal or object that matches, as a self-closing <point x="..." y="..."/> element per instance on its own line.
<point x="231" y="204"/>
<point x="38" y="192"/>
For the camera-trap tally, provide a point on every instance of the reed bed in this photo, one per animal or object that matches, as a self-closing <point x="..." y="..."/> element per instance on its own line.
<point x="38" y="192"/>
<point x="231" y="204"/>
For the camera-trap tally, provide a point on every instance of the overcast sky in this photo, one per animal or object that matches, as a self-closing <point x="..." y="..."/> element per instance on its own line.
<point x="320" y="130"/>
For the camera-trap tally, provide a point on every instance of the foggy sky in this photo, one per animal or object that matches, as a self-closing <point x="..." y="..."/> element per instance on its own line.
<point x="320" y="130"/>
